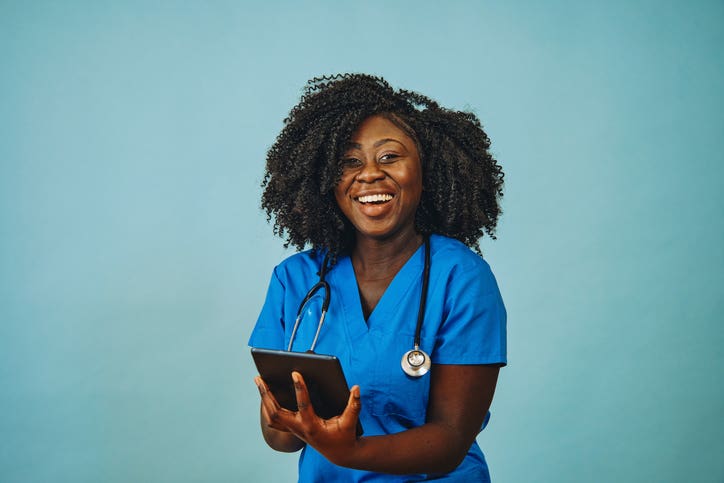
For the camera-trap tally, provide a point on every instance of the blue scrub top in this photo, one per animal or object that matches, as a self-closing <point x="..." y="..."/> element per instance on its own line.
<point x="465" y="323"/>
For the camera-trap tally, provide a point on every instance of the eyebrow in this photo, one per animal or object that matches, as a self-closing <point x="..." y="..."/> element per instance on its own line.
<point x="377" y="144"/>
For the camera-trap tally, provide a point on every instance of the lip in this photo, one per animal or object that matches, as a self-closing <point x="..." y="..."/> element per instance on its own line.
<point x="375" y="211"/>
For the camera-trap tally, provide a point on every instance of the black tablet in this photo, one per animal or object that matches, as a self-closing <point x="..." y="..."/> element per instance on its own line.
<point x="328" y="390"/>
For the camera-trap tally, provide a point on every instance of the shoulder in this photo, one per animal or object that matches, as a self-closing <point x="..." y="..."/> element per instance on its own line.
<point x="300" y="265"/>
<point x="452" y="253"/>
<point x="455" y="261"/>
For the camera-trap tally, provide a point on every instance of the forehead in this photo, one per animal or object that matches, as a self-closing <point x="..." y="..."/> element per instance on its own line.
<point x="378" y="128"/>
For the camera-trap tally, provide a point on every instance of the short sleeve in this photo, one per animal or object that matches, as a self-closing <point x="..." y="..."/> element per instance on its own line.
<point x="474" y="327"/>
<point x="268" y="332"/>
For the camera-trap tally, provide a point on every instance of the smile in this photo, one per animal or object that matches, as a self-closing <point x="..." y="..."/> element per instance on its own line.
<point x="377" y="199"/>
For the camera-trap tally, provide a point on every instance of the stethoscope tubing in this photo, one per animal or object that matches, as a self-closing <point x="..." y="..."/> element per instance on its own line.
<point x="423" y="294"/>
<point x="416" y="362"/>
<point x="322" y="284"/>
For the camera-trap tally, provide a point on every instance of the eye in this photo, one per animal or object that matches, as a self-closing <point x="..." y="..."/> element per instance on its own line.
<point x="388" y="158"/>
<point x="350" y="162"/>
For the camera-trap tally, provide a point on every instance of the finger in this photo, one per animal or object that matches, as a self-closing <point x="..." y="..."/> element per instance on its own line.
<point x="261" y="385"/>
<point x="268" y="401"/>
<point x="276" y="415"/>
<point x="304" y="405"/>
<point x="350" y="415"/>
<point x="264" y="391"/>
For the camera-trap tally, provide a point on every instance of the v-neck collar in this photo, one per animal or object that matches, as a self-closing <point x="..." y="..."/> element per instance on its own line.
<point x="345" y="286"/>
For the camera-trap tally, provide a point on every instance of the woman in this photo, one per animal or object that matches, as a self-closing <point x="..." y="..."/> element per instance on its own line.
<point x="375" y="178"/>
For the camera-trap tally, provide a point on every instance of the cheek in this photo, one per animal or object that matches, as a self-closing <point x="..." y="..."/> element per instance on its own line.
<point x="340" y="189"/>
<point x="413" y="182"/>
<point x="340" y="196"/>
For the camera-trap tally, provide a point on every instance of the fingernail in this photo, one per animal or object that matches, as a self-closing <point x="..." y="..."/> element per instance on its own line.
<point x="295" y="377"/>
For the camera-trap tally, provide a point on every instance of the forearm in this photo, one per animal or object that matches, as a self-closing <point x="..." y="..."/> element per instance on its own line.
<point x="431" y="448"/>
<point x="460" y="397"/>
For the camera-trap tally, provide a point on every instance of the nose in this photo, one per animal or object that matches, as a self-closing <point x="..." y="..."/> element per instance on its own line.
<point x="370" y="172"/>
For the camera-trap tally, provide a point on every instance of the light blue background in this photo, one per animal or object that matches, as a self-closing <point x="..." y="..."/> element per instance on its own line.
<point x="134" y="256"/>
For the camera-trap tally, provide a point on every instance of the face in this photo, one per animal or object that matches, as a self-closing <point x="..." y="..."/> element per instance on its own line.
<point x="381" y="180"/>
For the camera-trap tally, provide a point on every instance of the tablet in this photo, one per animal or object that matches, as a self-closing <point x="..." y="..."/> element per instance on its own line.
<point x="327" y="386"/>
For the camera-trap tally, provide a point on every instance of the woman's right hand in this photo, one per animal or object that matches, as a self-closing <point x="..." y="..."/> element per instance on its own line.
<point x="335" y="438"/>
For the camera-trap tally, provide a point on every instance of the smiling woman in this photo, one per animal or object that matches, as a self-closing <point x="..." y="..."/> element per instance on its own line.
<point x="368" y="176"/>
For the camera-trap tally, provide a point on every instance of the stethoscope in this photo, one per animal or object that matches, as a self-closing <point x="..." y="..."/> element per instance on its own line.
<point x="415" y="362"/>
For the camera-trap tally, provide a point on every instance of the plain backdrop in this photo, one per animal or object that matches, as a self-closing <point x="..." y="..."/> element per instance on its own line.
<point x="134" y="256"/>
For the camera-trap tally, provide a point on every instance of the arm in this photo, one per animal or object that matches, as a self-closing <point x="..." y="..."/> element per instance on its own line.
<point x="460" y="396"/>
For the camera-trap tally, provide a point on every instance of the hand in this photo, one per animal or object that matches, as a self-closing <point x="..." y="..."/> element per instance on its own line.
<point x="335" y="438"/>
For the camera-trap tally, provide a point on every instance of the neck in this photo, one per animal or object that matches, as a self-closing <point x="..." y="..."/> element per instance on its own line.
<point x="374" y="259"/>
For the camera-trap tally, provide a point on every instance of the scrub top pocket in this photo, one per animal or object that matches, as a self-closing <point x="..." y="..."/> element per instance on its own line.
<point x="399" y="398"/>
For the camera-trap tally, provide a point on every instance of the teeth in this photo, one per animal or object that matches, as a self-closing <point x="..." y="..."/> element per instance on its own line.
<point x="374" y="198"/>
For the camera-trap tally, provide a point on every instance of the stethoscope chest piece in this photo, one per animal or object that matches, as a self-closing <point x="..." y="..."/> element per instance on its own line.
<point x="415" y="363"/>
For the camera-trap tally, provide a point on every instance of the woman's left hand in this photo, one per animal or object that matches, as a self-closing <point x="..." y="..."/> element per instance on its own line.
<point x="335" y="438"/>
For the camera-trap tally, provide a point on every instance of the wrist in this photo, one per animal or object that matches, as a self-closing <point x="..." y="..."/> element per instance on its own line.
<point x="350" y="456"/>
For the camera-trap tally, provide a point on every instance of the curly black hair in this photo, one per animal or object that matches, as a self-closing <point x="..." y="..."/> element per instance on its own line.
<point x="462" y="182"/>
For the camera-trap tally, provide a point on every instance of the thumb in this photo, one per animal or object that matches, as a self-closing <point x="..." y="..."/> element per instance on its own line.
<point x="351" y="413"/>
